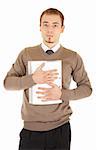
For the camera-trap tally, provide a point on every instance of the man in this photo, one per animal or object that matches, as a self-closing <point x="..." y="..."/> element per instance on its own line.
<point x="47" y="126"/>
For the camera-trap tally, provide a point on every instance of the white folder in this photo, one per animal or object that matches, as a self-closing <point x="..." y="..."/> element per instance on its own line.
<point x="32" y="65"/>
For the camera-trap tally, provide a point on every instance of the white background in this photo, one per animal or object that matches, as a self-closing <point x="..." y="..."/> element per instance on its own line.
<point x="19" y="28"/>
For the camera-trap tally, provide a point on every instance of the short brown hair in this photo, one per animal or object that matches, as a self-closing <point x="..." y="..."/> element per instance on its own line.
<point x="52" y="11"/>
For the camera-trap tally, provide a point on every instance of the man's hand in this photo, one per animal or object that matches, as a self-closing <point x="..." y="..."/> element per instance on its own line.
<point x="53" y="93"/>
<point x="41" y="77"/>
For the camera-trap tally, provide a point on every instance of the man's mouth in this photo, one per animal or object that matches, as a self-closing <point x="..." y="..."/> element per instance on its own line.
<point x="49" y="39"/>
<point x="49" y="36"/>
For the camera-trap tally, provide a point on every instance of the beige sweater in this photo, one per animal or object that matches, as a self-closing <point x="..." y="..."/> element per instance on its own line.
<point x="46" y="117"/>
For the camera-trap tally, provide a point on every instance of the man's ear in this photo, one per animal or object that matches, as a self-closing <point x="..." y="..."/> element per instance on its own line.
<point x="40" y="27"/>
<point x="63" y="27"/>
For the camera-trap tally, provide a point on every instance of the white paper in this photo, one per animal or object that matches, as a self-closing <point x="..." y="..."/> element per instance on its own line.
<point x="32" y="65"/>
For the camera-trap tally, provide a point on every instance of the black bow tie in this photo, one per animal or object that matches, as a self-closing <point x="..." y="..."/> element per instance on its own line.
<point x="49" y="52"/>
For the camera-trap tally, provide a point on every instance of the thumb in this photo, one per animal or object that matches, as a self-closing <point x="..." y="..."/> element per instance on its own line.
<point x="40" y="67"/>
<point x="52" y="85"/>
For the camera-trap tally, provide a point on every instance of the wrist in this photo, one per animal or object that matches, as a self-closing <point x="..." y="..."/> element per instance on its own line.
<point x="33" y="79"/>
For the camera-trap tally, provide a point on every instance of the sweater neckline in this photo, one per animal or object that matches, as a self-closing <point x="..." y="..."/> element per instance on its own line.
<point x="52" y="55"/>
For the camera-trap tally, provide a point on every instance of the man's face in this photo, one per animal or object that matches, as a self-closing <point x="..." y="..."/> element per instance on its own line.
<point x="51" y="28"/>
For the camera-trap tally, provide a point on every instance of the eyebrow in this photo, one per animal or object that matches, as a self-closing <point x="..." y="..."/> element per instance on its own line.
<point x="53" y="22"/>
<point x="56" y="23"/>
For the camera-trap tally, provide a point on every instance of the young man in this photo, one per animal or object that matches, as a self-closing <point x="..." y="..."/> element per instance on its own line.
<point x="47" y="126"/>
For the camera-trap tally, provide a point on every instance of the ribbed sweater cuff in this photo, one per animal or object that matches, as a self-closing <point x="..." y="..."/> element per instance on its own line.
<point x="67" y="94"/>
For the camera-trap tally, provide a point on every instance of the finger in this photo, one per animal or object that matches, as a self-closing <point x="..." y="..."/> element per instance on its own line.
<point x="40" y="92"/>
<point x="41" y="88"/>
<point x="41" y="66"/>
<point x="50" y="81"/>
<point x="51" y="75"/>
<point x="52" y="85"/>
<point x="51" y="71"/>
<point x="56" y="74"/>
<point x="41" y="97"/>
<point x="46" y="99"/>
<point x="52" y="78"/>
<point x="49" y="99"/>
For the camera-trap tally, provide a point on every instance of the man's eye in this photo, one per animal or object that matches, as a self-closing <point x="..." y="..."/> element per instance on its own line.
<point x="45" y="25"/>
<point x="55" y="25"/>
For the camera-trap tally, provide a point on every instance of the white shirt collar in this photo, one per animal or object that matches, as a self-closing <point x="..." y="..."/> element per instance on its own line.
<point x="55" y="48"/>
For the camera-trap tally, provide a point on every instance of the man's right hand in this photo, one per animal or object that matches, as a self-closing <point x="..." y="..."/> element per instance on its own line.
<point x="41" y="77"/>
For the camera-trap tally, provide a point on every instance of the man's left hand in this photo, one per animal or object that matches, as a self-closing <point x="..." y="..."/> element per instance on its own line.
<point x="53" y="93"/>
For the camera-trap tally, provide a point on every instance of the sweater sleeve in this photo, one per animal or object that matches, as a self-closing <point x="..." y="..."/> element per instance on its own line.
<point x="16" y="78"/>
<point x="83" y="88"/>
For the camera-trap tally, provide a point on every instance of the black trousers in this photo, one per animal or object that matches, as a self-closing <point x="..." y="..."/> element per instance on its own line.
<point x="55" y="139"/>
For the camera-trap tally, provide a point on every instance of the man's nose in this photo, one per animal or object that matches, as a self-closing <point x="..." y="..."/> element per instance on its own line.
<point x="50" y="29"/>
